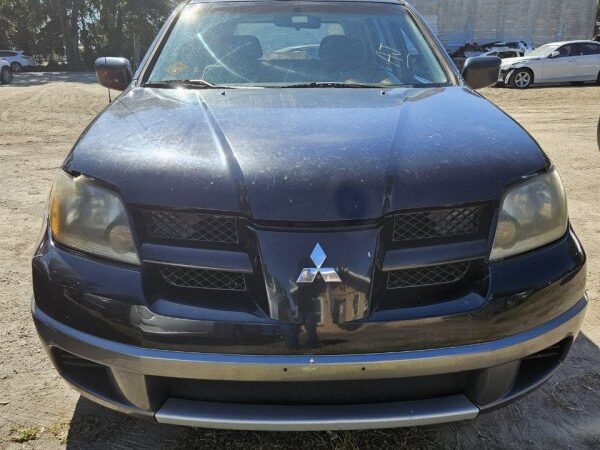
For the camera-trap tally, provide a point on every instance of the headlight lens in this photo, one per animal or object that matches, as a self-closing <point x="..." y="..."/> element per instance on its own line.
<point x="532" y="214"/>
<point x="88" y="217"/>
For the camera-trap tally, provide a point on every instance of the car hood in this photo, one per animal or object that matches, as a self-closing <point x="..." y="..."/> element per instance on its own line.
<point x="305" y="154"/>
<point x="507" y="62"/>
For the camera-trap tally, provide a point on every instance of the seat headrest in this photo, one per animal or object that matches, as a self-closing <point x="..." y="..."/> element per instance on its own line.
<point x="244" y="46"/>
<point x="340" y="47"/>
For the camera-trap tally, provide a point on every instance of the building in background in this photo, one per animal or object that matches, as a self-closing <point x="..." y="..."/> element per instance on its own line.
<point x="539" y="21"/>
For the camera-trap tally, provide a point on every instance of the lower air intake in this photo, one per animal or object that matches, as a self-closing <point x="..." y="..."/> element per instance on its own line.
<point x="427" y="276"/>
<point x="188" y="277"/>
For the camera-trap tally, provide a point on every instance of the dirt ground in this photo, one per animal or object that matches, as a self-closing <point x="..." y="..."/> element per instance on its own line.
<point x="41" y="116"/>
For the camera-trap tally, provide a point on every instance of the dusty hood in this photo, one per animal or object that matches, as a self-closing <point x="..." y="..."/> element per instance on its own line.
<point x="305" y="154"/>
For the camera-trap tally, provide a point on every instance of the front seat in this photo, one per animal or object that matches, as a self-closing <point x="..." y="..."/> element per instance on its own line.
<point x="238" y="61"/>
<point x="341" y="58"/>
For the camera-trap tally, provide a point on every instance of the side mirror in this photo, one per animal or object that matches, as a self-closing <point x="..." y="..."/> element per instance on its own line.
<point x="481" y="71"/>
<point x="113" y="73"/>
<point x="554" y="54"/>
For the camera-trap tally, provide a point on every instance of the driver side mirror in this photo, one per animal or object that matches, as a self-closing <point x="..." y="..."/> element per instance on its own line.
<point x="481" y="71"/>
<point x="113" y="73"/>
<point x="554" y="54"/>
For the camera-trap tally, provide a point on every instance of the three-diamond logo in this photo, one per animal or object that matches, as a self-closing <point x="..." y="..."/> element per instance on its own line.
<point x="309" y="274"/>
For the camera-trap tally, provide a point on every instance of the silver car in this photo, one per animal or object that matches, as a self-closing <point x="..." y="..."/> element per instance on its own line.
<point x="575" y="62"/>
<point x="18" y="60"/>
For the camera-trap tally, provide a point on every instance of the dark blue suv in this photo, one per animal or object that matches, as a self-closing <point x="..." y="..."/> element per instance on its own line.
<point x="298" y="215"/>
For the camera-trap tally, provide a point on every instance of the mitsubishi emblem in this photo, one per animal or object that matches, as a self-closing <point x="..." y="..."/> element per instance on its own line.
<point x="328" y="274"/>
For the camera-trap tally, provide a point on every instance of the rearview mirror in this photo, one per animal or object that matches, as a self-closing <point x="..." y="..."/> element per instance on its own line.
<point x="113" y="73"/>
<point x="554" y="54"/>
<point x="481" y="71"/>
<point x="297" y="21"/>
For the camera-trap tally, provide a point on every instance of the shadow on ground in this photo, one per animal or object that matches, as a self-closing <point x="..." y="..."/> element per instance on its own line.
<point x="568" y="401"/>
<point x="41" y="78"/>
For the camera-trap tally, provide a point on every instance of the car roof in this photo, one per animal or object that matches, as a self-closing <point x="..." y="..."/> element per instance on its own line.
<point x="581" y="41"/>
<point x="398" y="2"/>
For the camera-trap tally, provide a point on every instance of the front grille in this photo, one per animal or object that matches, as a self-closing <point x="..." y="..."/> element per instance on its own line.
<point x="190" y="226"/>
<point x="188" y="277"/>
<point x="427" y="276"/>
<point x="437" y="223"/>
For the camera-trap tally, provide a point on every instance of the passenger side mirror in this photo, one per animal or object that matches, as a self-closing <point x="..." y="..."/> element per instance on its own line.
<point x="481" y="71"/>
<point x="113" y="73"/>
<point x="554" y="54"/>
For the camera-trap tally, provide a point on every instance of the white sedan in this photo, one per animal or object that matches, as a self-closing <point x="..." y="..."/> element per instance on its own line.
<point x="6" y="75"/>
<point x="17" y="59"/>
<point x="575" y="62"/>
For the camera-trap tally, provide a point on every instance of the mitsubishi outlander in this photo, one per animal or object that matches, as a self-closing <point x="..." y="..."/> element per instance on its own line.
<point x="298" y="215"/>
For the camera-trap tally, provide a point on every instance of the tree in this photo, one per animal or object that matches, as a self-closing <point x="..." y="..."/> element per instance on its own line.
<point x="81" y="30"/>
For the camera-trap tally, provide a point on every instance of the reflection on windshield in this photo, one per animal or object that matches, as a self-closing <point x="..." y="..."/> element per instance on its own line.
<point x="282" y="44"/>
<point x="544" y="50"/>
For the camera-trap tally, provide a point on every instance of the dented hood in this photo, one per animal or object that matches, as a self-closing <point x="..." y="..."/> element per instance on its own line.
<point x="305" y="154"/>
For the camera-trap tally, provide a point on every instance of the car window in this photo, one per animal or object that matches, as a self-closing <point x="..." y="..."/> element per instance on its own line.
<point x="590" y="49"/>
<point x="277" y="44"/>
<point x="273" y="43"/>
<point x="568" y="50"/>
<point x="508" y="54"/>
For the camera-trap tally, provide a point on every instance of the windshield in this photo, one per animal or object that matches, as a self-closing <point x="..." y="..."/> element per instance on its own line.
<point x="284" y="44"/>
<point x="544" y="50"/>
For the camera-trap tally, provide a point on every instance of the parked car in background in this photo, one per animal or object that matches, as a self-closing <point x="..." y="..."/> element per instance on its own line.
<point x="575" y="62"/>
<point x="18" y="60"/>
<point x="504" y="54"/>
<point x="6" y="75"/>
<point x="501" y="49"/>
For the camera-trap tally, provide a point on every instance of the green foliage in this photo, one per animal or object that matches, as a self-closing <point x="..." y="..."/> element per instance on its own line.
<point x="81" y="30"/>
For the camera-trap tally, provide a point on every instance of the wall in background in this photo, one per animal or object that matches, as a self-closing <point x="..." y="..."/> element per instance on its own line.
<point x="460" y="21"/>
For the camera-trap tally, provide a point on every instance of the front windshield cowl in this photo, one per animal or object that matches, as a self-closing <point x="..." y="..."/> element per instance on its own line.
<point x="295" y="44"/>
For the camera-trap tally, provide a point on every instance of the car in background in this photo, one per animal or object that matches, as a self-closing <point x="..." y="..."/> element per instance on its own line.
<point x="575" y="62"/>
<point x="18" y="60"/>
<point x="6" y="75"/>
<point x="504" y="54"/>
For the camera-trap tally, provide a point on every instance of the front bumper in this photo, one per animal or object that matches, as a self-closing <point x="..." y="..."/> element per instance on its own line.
<point x="136" y="378"/>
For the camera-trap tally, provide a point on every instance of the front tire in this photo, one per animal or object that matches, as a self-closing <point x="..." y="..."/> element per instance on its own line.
<point x="521" y="78"/>
<point x="16" y="67"/>
<point x="6" y="75"/>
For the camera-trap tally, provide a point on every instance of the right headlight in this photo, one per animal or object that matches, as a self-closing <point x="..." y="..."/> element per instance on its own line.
<point x="532" y="214"/>
<point x="86" y="216"/>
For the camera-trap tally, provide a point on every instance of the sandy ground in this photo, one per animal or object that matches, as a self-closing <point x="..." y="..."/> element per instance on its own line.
<point x="41" y="116"/>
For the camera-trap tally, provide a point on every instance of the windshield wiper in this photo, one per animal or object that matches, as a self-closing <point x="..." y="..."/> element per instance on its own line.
<point x="195" y="84"/>
<point x="334" y="84"/>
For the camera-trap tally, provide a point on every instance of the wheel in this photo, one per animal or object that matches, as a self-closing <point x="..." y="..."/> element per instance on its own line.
<point x="16" y="67"/>
<point x="521" y="79"/>
<point x="6" y="75"/>
<point x="598" y="79"/>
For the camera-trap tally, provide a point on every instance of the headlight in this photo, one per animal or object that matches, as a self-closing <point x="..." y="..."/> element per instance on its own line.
<point x="532" y="214"/>
<point x="86" y="216"/>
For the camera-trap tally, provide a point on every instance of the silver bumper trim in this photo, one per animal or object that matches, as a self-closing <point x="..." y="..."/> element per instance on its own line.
<point x="315" y="418"/>
<point x="210" y="366"/>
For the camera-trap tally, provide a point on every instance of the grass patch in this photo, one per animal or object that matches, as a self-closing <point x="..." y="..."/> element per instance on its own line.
<point x="24" y="434"/>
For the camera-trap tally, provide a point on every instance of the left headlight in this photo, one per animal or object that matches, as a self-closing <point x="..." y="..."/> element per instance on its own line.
<point x="86" y="216"/>
<point x="532" y="214"/>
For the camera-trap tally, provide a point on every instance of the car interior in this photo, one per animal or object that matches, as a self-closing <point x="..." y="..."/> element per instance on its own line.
<point x="286" y="48"/>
